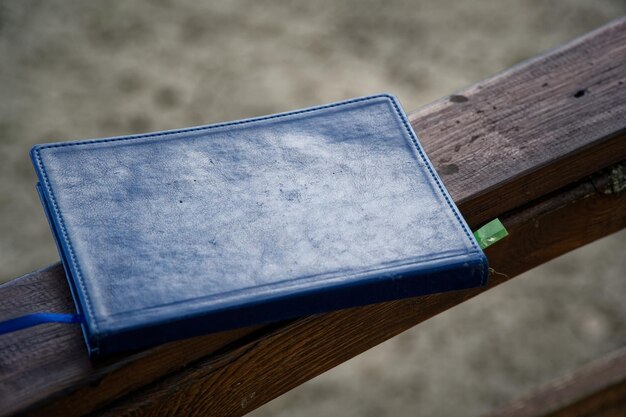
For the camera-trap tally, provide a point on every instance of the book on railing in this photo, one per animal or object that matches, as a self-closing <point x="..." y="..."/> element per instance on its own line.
<point x="173" y="234"/>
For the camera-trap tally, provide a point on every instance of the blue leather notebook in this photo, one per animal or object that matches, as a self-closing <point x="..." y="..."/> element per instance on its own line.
<point x="173" y="234"/>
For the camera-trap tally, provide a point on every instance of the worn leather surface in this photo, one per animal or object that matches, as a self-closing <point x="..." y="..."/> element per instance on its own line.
<point x="172" y="234"/>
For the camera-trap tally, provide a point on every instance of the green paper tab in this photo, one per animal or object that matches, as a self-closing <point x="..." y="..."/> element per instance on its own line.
<point x="490" y="233"/>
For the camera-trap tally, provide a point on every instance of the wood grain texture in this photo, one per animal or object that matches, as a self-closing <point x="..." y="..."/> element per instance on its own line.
<point x="50" y="360"/>
<point x="531" y="129"/>
<point x="597" y="389"/>
<point x="509" y="146"/>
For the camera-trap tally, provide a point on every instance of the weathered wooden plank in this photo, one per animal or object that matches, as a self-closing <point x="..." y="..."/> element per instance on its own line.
<point x="597" y="389"/>
<point x="482" y="159"/>
<point x="50" y="360"/>
<point x="531" y="129"/>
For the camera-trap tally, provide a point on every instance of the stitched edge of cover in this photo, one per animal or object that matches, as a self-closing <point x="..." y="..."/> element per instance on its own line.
<point x="68" y="242"/>
<point x="359" y="274"/>
<point x="435" y="177"/>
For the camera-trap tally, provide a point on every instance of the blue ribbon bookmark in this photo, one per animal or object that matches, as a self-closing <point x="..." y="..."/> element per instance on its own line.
<point x="35" y="319"/>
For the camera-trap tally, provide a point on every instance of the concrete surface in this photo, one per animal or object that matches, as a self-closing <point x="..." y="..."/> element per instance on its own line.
<point x="77" y="69"/>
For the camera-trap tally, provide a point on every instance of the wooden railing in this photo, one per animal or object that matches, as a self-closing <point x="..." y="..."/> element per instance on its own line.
<point x="597" y="389"/>
<point x="541" y="145"/>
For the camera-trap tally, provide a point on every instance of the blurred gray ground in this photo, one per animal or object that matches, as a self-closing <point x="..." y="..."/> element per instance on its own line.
<point x="77" y="69"/>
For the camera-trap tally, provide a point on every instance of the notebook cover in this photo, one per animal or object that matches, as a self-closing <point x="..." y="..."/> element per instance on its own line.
<point x="173" y="234"/>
